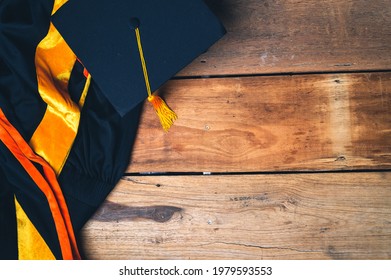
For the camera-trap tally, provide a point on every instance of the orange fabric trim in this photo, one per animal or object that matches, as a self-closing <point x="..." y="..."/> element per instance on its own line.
<point x="48" y="185"/>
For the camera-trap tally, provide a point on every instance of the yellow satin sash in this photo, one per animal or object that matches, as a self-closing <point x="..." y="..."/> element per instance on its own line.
<point x="56" y="133"/>
<point x="31" y="245"/>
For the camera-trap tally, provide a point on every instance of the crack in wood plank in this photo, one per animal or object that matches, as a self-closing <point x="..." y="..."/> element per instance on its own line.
<point x="269" y="247"/>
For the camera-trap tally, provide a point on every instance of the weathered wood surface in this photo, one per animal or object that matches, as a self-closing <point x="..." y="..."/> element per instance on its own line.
<point x="301" y="216"/>
<point x="279" y="36"/>
<point x="236" y="117"/>
<point x="251" y="124"/>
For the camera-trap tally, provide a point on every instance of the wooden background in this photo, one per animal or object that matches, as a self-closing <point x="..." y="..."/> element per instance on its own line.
<point x="282" y="149"/>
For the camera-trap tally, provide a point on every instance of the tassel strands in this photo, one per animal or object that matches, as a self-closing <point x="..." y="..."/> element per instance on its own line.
<point x="165" y="114"/>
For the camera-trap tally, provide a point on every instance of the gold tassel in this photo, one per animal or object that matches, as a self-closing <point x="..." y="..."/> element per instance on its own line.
<point x="165" y="114"/>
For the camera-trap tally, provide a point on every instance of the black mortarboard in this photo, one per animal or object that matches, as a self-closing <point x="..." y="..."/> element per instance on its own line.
<point x="102" y="35"/>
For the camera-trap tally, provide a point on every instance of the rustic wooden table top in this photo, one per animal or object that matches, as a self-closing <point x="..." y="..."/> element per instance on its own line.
<point x="282" y="149"/>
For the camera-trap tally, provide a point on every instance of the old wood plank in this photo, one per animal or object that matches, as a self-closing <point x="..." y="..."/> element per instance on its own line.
<point x="280" y="216"/>
<point x="298" y="36"/>
<point x="251" y="124"/>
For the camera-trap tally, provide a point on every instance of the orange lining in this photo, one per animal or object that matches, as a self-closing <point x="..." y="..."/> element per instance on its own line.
<point x="48" y="185"/>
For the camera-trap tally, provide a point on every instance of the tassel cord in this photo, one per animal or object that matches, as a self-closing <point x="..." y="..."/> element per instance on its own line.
<point x="165" y="114"/>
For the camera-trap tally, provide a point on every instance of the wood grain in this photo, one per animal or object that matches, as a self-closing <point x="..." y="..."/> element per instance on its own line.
<point x="251" y="124"/>
<point x="269" y="36"/>
<point x="296" y="216"/>
<point x="240" y="111"/>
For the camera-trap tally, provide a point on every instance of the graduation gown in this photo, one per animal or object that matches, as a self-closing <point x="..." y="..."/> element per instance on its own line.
<point x="100" y="150"/>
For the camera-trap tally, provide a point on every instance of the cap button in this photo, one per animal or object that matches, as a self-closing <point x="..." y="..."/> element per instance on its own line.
<point x="134" y="22"/>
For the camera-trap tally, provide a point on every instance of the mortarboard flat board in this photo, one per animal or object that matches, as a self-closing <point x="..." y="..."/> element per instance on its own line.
<point x="102" y="35"/>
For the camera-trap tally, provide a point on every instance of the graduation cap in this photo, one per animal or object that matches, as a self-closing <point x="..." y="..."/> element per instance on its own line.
<point x="132" y="47"/>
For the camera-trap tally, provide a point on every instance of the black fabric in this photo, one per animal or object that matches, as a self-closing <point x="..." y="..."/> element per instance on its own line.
<point x="76" y="82"/>
<point x="23" y="24"/>
<point x="8" y="234"/>
<point x="101" y="33"/>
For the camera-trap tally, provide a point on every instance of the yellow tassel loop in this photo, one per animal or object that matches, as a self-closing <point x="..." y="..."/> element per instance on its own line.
<point x="165" y="114"/>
